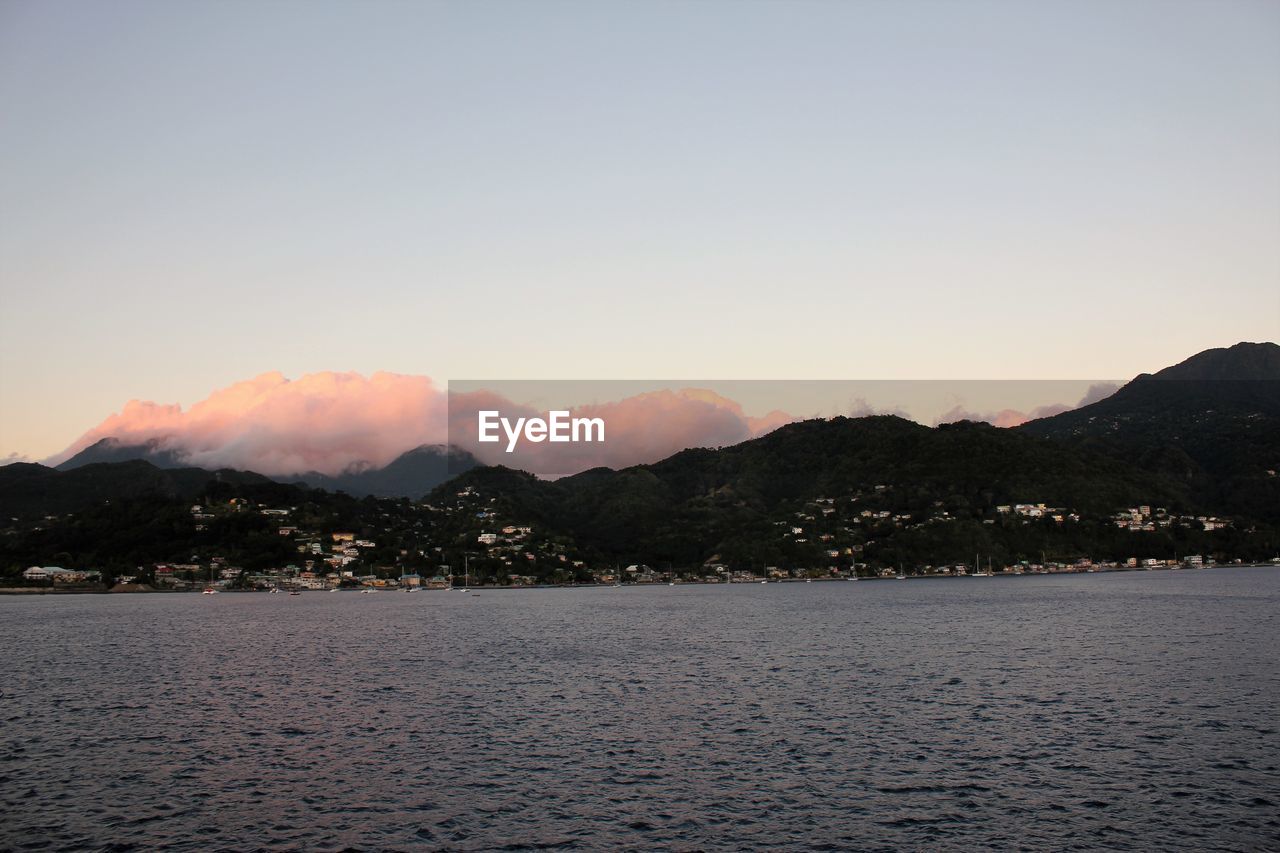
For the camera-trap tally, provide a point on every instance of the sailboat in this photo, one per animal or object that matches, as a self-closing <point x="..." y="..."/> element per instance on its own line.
<point x="977" y="568"/>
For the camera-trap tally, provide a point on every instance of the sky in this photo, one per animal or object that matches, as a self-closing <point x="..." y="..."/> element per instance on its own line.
<point x="195" y="194"/>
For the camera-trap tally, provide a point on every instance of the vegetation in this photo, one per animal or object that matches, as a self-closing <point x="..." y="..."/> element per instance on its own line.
<point x="816" y="496"/>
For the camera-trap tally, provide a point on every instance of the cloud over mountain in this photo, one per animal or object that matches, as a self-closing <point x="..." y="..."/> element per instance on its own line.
<point x="641" y="428"/>
<point x="325" y="422"/>
<point x="333" y="424"/>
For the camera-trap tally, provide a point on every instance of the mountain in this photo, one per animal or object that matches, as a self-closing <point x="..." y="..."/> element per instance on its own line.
<point x="28" y="490"/>
<point x="113" y="450"/>
<point x="731" y="501"/>
<point x="1241" y="380"/>
<point x="412" y="474"/>
<point x="122" y="517"/>
<point x="1210" y="423"/>
<point x="1246" y="362"/>
<point x="876" y="491"/>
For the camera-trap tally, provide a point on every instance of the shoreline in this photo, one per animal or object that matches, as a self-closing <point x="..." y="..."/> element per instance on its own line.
<point x="28" y="591"/>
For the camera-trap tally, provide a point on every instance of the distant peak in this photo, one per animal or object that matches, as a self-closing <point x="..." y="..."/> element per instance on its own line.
<point x="1245" y="360"/>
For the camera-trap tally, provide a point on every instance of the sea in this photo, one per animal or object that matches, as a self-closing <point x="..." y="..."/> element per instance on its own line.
<point x="1125" y="711"/>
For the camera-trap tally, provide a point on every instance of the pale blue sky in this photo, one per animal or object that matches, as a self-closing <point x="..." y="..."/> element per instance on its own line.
<point x="195" y="193"/>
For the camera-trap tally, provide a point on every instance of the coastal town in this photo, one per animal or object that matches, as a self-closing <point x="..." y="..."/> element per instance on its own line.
<point x="186" y="577"/>
<point x="469" y="541"/>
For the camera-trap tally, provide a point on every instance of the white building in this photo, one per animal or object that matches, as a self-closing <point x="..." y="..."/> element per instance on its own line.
<point x="50" y="573"/>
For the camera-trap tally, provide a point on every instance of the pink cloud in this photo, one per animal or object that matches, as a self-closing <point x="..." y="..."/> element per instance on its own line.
<point x="334" y="422"/>
<point x="324" y="422"/>
<point x="641" y="428"/>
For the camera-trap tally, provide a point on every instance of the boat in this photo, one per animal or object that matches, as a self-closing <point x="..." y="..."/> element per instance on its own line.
<point x="275" y="590"/>
<point x="335" y="589"/>
<point x="294" y="592"/>
<point x="368" y="590"/>
<point x="209" y="591"/>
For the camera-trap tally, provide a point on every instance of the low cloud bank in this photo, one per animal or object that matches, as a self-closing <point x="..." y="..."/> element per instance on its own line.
<point x="333" y="423"/>
<point x="642" y="428"/>
<point x="326" y="422"/>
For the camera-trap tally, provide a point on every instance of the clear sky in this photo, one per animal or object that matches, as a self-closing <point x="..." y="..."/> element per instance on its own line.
<point x="194" y="193"/>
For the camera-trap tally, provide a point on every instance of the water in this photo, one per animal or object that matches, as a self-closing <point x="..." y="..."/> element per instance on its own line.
<point x="1127" y="711"/>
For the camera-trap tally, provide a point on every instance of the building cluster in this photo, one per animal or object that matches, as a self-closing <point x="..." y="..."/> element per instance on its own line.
<point x="309" y="576"/>
<point x="513" y="552"/>
<point x="1143" y="519"/>
<point x="59" y="575"/>
<point x="843" y="527"/>
<point x="824" y="538"/>
<point x="1028" y="512"/>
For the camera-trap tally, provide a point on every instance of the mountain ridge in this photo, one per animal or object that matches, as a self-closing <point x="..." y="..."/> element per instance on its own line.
<point x="1210" y="422"/>
<point x="30" y="489"/>
<point x="898" y="492"/>
<point x="1245" y="361"/>
<point x="411" y="474"/>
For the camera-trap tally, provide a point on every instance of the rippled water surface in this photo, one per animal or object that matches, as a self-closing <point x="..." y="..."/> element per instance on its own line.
<point x="1127" y="711"/>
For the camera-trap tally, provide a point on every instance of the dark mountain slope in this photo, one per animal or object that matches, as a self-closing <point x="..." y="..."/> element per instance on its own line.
<point x="692" y="500"/>
<point x="113" y="450"/>
<point x="412" y="474"/>
<point x="1244" y="362"/>
<point x="1210" y="423"/>
<point x="831" y="457"/>
<point x="34" y="490"/>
